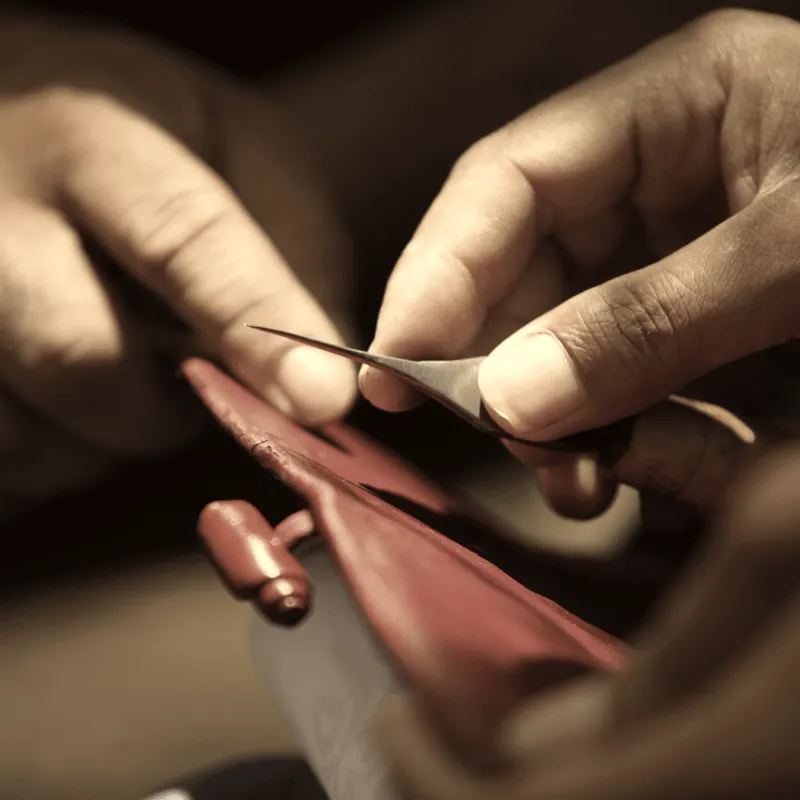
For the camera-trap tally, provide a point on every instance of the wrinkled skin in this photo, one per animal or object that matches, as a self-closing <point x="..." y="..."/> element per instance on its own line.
<point x="631" y="237"/>
<point x="104" y="138"/>
<point x="709" y="706"/>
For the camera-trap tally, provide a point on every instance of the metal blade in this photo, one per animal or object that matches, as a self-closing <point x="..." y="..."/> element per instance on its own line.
<point x="454" y="384"/>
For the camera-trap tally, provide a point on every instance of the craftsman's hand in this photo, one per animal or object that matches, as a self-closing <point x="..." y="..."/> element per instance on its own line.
<point x="103" y="140"/>
<point x="708" y="709"/>
<point x="670" y="184"/>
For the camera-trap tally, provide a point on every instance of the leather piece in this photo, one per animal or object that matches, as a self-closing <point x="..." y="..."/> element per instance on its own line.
<point x="470" y="641"/>
<point x="237" y="539"/>
<point x="254" y="560"/>
<point x="261" y="429"/>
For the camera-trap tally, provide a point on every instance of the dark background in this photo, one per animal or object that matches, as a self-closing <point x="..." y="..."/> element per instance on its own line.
<point x="247" y="38"/>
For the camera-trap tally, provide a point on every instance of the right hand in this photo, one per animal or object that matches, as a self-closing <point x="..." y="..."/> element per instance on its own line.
<point x="102" y="138"/>
<point x="628" y="239"/>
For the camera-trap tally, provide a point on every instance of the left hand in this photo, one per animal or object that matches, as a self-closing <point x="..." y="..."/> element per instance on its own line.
<point x="130" y="173"/>
<point x="709" y="709"/>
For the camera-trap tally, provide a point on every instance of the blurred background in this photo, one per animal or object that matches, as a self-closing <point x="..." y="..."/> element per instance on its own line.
<point x="123" y="663"/>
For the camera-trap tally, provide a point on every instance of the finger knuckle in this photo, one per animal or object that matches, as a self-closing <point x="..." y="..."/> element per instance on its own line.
<point x="775" y="228"/>
<point x="57" y="100"/>
<point x="167" y="229"/>
<point x="768" y="244"/>
<point x="743" y="36"/>
<point x="719" y="24"/>
<point x="484" y="151"/>
<point x="69" y="109"/>
<point x="63" y="125"/>
<point x="640" y="322"/>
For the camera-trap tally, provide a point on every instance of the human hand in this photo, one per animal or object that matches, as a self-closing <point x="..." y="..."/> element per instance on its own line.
<point x="683" y="158"/>
<point x="107" y="139"/>
<point x="709" y="707"/>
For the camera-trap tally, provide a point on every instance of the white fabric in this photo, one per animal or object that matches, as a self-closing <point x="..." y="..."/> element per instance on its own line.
<point x="330" y="676"/>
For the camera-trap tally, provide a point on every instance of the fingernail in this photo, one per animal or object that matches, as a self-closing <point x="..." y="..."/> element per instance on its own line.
<point x="364" y="375"/>
<point x="312" y="386"/>
<point x="569" y="716"/>
<point x="384" y="391"/>
<point x="529" y="382"/>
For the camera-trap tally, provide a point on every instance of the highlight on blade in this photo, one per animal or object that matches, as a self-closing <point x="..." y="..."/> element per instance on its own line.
<point x="434" y="379"/>
<point x="404" y="369"/>
<point x="339" y="350"/>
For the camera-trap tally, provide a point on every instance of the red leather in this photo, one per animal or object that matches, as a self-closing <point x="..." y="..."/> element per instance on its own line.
<point x="469" y="641"/>
<point x="254" y="560"/>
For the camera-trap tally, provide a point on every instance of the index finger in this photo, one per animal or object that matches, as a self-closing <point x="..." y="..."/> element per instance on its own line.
<point x="180" y="229"/>
<point x="644" y="129"/>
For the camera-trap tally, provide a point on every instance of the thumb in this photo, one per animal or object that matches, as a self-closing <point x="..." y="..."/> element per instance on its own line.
<point x="620" y="347"/>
